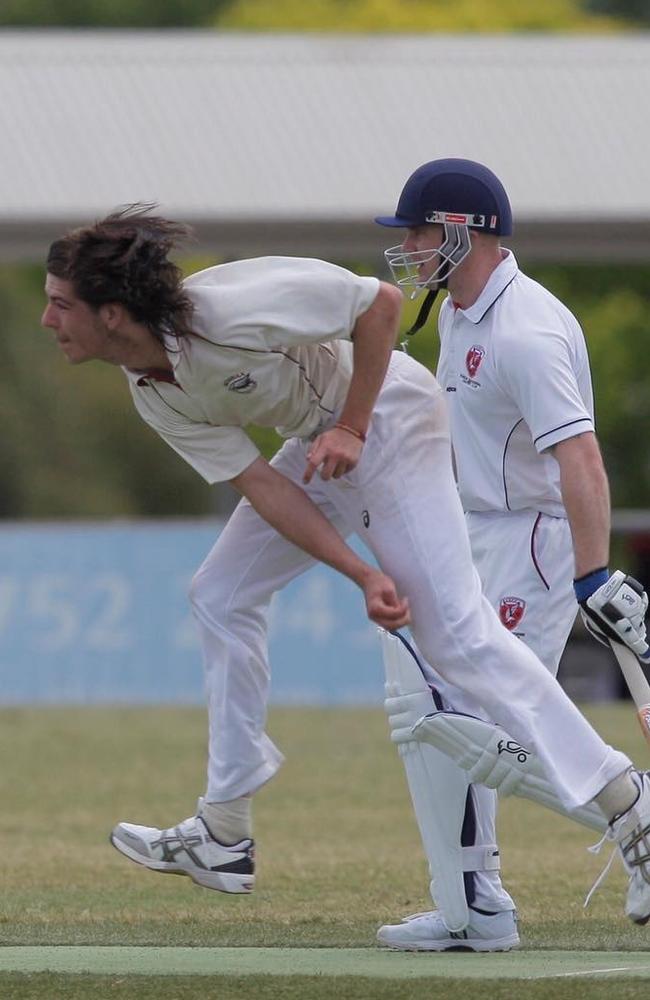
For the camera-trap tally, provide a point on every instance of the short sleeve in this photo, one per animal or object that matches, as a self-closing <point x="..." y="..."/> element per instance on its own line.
<point x="539" y="372"/>
<point x="217" y="453"/>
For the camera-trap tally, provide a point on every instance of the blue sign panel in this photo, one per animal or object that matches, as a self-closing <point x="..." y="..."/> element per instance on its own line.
<point x="93" y="613"/>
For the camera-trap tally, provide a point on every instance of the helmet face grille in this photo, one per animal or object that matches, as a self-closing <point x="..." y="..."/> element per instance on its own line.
<point x="407" y="265"/>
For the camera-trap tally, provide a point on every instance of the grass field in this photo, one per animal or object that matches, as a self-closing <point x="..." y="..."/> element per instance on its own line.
<point x="338" y="854"/>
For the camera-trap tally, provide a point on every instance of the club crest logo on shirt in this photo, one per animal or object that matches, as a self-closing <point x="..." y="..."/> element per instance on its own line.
<point x="511" y="611"/>
<point x="474" y="357"/>
<point x="241" y="382"/>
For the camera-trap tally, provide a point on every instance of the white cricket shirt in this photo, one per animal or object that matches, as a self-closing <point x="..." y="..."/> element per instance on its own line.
<point x="516" y="374"/>
<point x="270" y="346"/>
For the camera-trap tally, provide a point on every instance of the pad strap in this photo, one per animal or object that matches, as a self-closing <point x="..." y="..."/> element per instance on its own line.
<point x="481" y="858"/>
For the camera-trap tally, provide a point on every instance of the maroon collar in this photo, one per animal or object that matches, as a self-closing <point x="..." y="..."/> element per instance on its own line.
<point x="156" y="375"/>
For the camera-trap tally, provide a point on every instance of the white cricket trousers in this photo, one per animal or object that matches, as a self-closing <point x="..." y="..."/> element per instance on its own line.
<point x="404" y="489"/>
<point x="525" y="562"/>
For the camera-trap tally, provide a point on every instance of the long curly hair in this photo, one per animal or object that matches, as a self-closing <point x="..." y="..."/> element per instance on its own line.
<point x="124" y="258"/>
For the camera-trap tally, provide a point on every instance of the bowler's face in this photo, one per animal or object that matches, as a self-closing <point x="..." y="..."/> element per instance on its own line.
<point x="79" y="331"/>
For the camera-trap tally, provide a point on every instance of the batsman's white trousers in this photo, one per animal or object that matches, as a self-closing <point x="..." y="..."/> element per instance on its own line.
<point x="525" y="563"/>
<point x="403" y="487"/>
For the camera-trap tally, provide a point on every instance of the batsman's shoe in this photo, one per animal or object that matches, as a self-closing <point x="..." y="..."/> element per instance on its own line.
<point x="189" y="849"/>
<point x="631" y="831"/>
<point x="427" y="932"/>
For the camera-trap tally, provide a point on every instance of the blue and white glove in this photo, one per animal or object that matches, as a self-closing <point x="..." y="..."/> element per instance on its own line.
<point x="614" y="608"/>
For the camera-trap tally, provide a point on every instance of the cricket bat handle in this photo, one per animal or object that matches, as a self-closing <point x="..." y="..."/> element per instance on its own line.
<point x="637" y="683"/>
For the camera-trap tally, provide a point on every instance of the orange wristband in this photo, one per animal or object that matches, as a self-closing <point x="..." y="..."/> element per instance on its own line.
<point x="352" y="430"/>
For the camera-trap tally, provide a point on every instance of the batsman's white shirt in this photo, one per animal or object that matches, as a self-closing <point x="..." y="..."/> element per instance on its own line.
<point x="515" y="370"/>
<point x="270" y="346"/>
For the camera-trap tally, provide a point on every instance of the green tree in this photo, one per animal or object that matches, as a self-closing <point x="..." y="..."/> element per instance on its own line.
<point x="411" y="15"/>
<point x="635" y="11"/>
<point x="72" y="445"/>
<point x="613" y="307"/>
<point x="330" y="15"/>
<point x="110" y="13"/>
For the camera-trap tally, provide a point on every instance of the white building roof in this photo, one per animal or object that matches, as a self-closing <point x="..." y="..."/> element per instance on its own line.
<point x="274" y="143"/>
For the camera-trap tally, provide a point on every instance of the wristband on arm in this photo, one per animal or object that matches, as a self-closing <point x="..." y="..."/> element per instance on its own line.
<point x="585" y="585"/>
<point x="351" y="430"/>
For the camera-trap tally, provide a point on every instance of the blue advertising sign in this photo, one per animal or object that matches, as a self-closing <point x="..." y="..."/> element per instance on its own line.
<point x="98" y="613"/>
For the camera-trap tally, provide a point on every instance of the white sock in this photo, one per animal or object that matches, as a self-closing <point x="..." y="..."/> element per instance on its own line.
<point x="618" y="796"/>
<point x="229" y="822"/>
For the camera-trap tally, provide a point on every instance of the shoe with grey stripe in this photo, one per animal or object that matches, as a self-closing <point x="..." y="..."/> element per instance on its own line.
<point x="189" y="849"/>
<point x="632" y="833"/>
<point x="427" y="932"/>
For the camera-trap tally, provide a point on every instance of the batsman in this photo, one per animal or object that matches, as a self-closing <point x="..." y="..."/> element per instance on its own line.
<point x="514" y="368"/>
<point x="308" y="347"/>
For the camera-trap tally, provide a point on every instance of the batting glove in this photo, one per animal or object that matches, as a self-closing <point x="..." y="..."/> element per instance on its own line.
<point x="614" y="607"/>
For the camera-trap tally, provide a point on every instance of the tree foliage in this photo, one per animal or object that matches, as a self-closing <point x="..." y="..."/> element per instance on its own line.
<point x="411" y="16"/>
<point x="329" y="15"/>
<point x="73" y="446"/>
<point x="110" y="13"/>
<point x="634" y="11"/>
<point x="613" y="307"/>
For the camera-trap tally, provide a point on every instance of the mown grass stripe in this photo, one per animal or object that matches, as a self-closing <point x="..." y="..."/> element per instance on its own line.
<point x="321" y="961"/>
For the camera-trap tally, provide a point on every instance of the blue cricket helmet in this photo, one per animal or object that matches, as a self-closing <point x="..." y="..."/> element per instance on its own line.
<point x="454" y="191"/>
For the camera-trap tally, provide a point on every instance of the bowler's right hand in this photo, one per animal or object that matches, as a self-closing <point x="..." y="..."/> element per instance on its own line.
<point x="383" y="604"/>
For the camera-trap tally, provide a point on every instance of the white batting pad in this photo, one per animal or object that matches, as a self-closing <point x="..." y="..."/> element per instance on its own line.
<point x="437" y="785"/>
<point x="489" y="756"/>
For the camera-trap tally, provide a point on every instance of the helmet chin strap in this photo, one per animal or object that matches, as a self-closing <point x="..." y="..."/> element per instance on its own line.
<point x="427" y="305"/>
<point x="454" y="248"/>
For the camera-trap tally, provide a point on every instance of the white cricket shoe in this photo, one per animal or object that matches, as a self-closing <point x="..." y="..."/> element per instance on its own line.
<point x="189" y="849"/>
<point x="427" y="932"/>
<point x="631" y="831"/>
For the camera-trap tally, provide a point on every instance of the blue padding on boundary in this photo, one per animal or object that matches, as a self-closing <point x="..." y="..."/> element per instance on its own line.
<point x="98" y="613"/>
